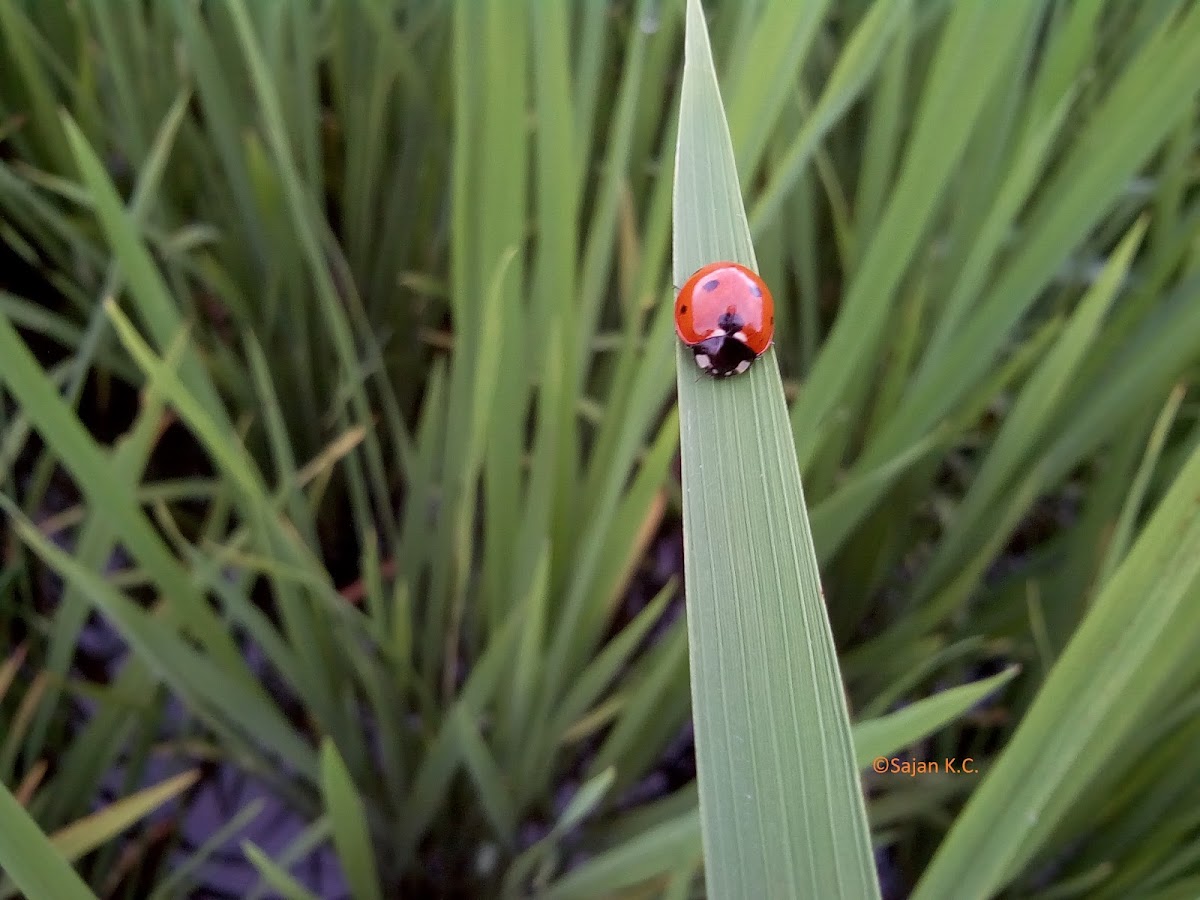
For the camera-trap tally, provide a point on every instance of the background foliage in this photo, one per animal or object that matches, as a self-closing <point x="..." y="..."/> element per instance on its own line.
<point x="336" y="356"/>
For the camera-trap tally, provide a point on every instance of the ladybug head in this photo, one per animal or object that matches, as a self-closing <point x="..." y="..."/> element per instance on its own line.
<point x="723" y="355"/>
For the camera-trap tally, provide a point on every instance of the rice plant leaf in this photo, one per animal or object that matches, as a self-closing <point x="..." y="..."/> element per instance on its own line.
<point x="152" y="298"/>
<point x="91" y="468"/>
<point x="495" y="795"/>
<point x="187" y="872"/>
<point x="29" y="858"/>
<point x="873" y="738"/>
<point x="578" y="808"/>
<point x="976" y="47"/>
<point x="835" y="517"/>
<point x="1132" y="646"/>
<point x="763" y="75"/>
<point x="1123" y="531"/>
<point x="1184" y="889"/>
<point x="780" y="800"/>
<point x="16" y="31"/>
<point x="196" y="677"/>
<point x="1013" y="193"/>
<point x="1032" y="413"/>
<point x="443" y="755"/>
<point x="1137" y="113"/>
<point x="348" y="822"/>
<point x="297" y="849"/>
<point x="103" y="825"/>
<point x="858" y="61"/>
<point x="885" y="735"/>
<point x="651" y="854"/>
<point x="645" y="710"/>
<point x="288" y="887"/>
<point x="592" y="680"/>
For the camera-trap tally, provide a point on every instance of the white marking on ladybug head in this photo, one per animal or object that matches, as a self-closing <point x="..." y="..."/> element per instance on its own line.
<point x="742" y="366"/>
<point x="703" y="361"/>
<point x="715" y="332"/>
<point x="741" y="336"/>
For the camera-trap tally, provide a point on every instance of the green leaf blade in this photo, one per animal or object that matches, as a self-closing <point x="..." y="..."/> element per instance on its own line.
<point x="30" y="860"/>
<point x="348" y="819"/>
<point x="780" y="800"/>
<point x="1137" y="640"/>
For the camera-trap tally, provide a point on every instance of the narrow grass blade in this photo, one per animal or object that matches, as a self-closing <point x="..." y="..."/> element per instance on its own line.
<point x="102" y="826"/>
<point x="152" y="298"/>
<point x="494" y="795"/>
<point x="183" y="876"/>
<point x="764" y="71"/>
<point x="650" y="855"/>
<point x="595" y="677"/>
<point x="297" y="849"/>
<point x="443" y="755"/>
<point x="586" y="799"/>
<point x="276" y="877"/>
<point x="1123" y="531"/>
<point x="857" y="63"/>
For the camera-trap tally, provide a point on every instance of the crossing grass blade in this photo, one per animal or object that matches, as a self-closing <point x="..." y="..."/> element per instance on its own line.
<point x="780" y="802"/>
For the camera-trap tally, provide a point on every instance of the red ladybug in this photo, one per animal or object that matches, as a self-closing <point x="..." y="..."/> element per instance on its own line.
<point x="726" y="316"/>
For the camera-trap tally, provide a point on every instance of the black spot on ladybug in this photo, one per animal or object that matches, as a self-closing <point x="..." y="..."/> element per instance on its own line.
<point x="755" y="290"/>
<point x="712" y="285"/>
<point x="772" y="320"/>
<point x="683" y="308"/>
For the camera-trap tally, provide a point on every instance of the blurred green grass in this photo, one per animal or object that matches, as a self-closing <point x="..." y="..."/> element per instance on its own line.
<point x="396" y="276"/>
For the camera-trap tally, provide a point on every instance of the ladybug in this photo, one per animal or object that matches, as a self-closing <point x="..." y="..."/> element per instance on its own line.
<point x="726" y="317"/>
